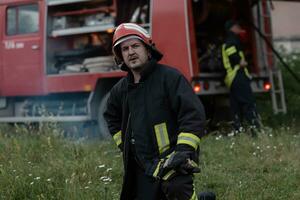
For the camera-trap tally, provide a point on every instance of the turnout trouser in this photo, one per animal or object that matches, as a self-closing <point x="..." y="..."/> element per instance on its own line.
<point x="242" y="102"/>
<point x="180" y="187"/>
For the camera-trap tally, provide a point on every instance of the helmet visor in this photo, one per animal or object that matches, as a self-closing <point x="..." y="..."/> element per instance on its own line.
<point x="127" y="38"/>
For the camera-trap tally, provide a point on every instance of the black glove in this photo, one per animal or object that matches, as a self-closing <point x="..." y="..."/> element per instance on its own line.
<point x="190" y="167"/>
<point x="181" y="162"/>
<point x="178" y="161"/>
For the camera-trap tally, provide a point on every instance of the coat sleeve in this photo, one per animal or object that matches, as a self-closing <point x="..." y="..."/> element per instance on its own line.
<point x="233" y="52"/>
<point x="189" y="110"/>
<point x="113" y="116"/>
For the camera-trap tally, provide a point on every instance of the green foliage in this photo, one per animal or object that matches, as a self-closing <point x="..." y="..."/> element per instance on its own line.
<point x="292" y="87"/>
<point x="292" y="96"/>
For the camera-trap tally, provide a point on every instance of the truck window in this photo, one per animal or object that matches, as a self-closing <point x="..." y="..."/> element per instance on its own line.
<point x="79" y="37"/>
<point x="22" y="19"/>
<point x="136" y="11"/>
<point x="209" y="19"/>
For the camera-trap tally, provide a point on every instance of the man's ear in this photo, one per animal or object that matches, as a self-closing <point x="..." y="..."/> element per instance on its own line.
<point x="149" y="54"/>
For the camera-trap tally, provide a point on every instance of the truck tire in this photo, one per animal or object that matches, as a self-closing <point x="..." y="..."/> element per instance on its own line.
<point x="102" y="125"/>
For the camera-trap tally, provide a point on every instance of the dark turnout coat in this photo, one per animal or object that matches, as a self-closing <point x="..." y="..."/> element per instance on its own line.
<point x="161" y="112"/>
<point x="232" y="54"/>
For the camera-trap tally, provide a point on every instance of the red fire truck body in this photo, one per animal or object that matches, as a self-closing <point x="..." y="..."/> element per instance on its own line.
<point x="37" y="35"/>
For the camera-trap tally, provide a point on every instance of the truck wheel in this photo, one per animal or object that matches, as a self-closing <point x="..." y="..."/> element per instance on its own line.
<point x="102" y="125"/>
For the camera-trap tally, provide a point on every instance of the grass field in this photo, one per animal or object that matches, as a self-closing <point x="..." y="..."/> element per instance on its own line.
<point x="41" y="164"/>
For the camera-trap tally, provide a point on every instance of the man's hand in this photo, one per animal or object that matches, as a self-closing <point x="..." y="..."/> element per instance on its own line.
<point x="179" y="162"/>
<point x="176" y="159"/>
<point x="243" y="63"/>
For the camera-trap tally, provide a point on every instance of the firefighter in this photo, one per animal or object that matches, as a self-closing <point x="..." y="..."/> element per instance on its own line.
<point x="237" y="79"/>
<point x="155" y="119"/>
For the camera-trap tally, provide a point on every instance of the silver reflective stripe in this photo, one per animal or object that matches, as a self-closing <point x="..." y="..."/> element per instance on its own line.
<point x="189" y="139"/>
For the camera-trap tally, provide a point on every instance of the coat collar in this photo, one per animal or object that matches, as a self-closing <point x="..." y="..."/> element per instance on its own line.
<point x="148" y="69"/>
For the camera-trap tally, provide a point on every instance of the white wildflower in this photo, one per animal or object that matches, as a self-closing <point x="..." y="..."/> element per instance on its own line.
<point x="101" y="166"/>
<point x="105" y="179"/>
<point x="109" y="169"/>
<point x="231" y="134"/>
<point x="219" y="137"/>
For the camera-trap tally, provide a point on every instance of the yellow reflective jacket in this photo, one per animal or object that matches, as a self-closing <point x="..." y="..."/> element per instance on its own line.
<point x="232" y="55"/>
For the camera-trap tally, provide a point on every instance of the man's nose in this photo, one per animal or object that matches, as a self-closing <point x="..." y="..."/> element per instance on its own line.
<point x="131" y="50"/>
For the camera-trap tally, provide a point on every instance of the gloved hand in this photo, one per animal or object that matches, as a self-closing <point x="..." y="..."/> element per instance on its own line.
<point x="189" y="167"/>
<point x="179" y="161"/>
<point x="176" y="159"/>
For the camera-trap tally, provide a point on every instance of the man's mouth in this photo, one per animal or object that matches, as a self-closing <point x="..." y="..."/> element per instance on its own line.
<point x="133" y="59"/>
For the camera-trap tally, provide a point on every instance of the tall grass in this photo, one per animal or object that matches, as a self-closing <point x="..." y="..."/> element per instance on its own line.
<point x="245" y="168"/>
<point x="42" y="164"/>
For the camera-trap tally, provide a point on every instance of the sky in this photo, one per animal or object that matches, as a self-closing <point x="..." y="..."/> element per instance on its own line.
<point x="286" y="19"/>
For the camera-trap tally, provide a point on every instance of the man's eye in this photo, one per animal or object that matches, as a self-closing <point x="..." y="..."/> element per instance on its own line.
<point x="124" y="49"/>
<point x="135" y="46"/>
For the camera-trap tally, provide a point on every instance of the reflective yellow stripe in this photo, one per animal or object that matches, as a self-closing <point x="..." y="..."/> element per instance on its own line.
<point x="230" y="51"/>
<point x="189" y="139"/>
<point x="226" y="61"/>
<point x="242" y="55"/>
<point x="118" y="137"/>
<point x="170" y="173"/>
<point x="162" y="137"/>
<point x="157" y="169"/>
<point x="230" y="72"/>
<point x="247" y="73"/>
<point x="194" y="197"/>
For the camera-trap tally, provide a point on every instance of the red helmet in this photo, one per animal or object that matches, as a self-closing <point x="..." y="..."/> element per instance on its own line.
<point x="127" y="31"/>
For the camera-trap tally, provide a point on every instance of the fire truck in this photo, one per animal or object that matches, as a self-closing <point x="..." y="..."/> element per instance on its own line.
<point x="56" y="62"/>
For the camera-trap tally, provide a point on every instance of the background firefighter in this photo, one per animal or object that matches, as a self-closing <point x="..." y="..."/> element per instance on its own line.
<point x="237" y="79"/>
<point x="156" y="120"/>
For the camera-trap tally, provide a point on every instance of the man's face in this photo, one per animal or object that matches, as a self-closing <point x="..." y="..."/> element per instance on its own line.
<point x="134" y="53"/>
<point x="237" y="29"/>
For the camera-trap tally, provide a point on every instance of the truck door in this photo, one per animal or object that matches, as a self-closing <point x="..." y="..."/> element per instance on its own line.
<point x="1" y="56"/>
<point x="22" y="72"/>
<point x="172" y="33"/>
